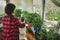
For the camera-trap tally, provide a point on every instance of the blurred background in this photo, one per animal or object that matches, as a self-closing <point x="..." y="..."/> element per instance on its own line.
<point x="43" y="14"/>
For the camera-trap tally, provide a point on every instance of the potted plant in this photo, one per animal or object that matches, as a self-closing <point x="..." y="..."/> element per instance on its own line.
<point x="37" y="21"/>
<point x="44" y="35"/>
<point x="41" y="35"/>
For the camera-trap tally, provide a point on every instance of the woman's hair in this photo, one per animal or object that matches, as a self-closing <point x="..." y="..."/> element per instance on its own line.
<point x="9" y="9"/>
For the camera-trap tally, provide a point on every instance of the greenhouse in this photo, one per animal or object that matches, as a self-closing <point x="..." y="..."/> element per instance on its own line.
<point x="29" y="19"/>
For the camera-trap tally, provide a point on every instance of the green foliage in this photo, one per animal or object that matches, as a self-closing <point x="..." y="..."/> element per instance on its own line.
<point x="1" y="15"/>
<point x="44" y="35"/>
<point x="18" y="12"/>
<point x="28" y="16"/>
<point x="0" y="29"/>
<point x="51" y="35"/>
<point x="53" y="16"/>
<point x="34" y="18"/>
<point x="40" y="35"/>
<point x="37" y="20"/>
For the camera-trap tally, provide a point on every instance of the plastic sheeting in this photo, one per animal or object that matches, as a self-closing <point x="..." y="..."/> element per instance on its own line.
<point x="2" y="5"/>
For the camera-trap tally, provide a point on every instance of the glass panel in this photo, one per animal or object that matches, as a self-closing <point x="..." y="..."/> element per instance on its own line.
<point x="2" y="5"/>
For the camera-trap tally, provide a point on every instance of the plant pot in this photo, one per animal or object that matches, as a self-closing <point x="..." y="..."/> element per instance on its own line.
<point x="37" y="28"/>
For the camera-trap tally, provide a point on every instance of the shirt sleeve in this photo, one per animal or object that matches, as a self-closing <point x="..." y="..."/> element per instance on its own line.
<point x="17" y="23"/>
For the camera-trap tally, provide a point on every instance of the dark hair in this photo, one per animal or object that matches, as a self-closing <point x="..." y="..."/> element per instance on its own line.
<point x="9" y="9"/>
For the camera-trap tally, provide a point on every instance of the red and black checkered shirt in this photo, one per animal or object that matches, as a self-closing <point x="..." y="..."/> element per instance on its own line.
<point x="10" y="28"/>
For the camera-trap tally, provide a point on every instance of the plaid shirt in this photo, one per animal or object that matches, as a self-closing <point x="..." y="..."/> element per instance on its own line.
<point x="10" y="28"/>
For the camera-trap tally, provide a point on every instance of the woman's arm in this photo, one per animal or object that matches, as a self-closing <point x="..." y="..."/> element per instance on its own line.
<point x="19" y="24"/>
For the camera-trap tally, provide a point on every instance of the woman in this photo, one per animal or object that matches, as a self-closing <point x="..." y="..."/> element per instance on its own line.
<point x="10" y="24"/>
